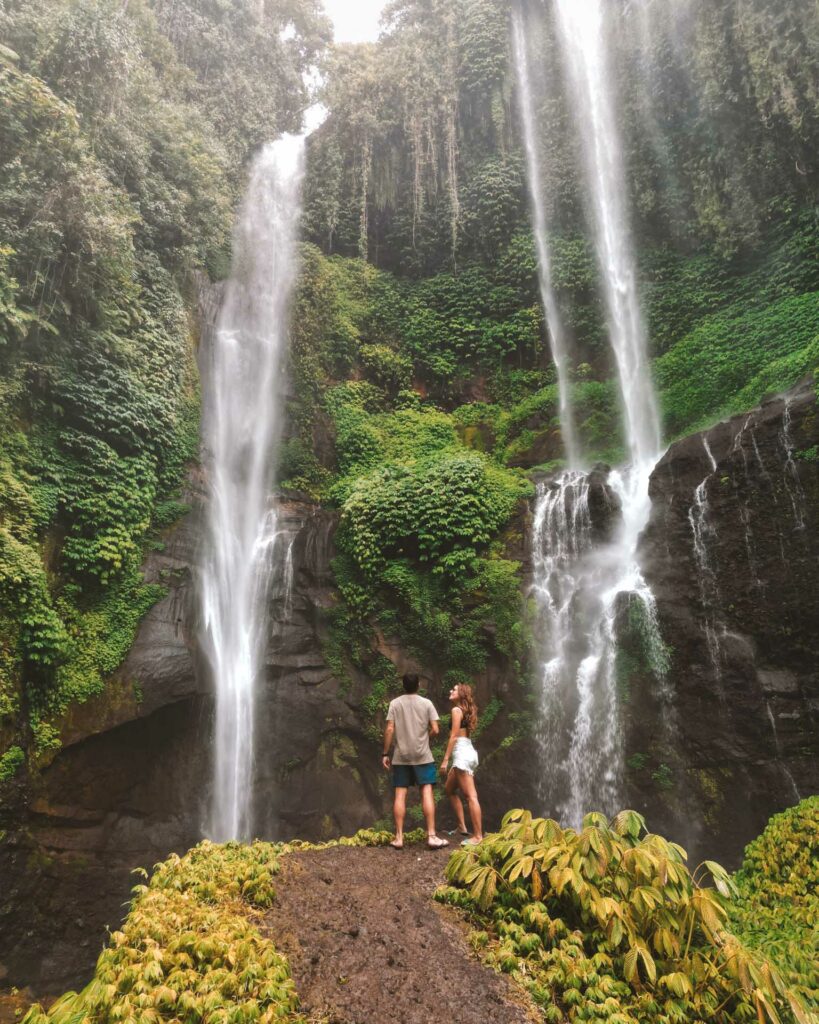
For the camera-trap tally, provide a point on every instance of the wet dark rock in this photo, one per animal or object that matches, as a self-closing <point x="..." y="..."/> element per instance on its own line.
<point x="746" y="705"/>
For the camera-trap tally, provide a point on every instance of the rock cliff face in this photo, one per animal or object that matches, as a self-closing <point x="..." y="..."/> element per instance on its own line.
<point x="732" y="553"/>
<point x="123" y="791"/>
<point x="131" y="782"/>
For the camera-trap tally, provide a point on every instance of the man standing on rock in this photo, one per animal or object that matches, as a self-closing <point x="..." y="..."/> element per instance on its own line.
<point x="411" y="721"/>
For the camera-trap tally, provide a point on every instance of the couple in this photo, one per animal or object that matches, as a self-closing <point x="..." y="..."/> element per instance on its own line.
<point x="411" y="721"/>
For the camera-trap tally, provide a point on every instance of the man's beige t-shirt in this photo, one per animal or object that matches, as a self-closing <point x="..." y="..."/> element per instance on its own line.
<point x="412" y="715"/>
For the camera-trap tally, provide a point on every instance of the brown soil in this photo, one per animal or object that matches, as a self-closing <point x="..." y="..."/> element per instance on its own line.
<point x="13" y="1004"/>
<point x="367" y="943"/>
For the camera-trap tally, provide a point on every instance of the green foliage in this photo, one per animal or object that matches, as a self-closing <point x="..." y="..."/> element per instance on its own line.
<point x="11" y="762"/>
<point x="439" y="510"/>
<point x="192" y="949"/>
<point x="730" y="360"/>
<point x="116" y="186"/>
<point x="408" y="167"/>
<point x="608" y="923"/>
<point x="248" y="75"/>
<point x="777" y="910"/>
<point x="24" y="592"/>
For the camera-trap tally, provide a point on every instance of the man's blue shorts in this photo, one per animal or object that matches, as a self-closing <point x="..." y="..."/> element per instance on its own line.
<point x="406" y="775"/>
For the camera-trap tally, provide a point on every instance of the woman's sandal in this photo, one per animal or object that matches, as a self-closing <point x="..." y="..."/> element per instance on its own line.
<point x="471" y="842"/>
<point x="458" y="832"/>
<point x="396" y="845"/>
<point x="436" y="843"/>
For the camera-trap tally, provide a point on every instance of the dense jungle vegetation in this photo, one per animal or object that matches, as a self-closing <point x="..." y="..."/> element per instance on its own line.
<point x="419" y="344"/>
<point x="124" y="133"/>
<point x="419" y="361"/>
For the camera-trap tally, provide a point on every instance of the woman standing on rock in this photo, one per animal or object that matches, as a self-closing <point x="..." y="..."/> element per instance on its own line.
<point x="461" y="776"/>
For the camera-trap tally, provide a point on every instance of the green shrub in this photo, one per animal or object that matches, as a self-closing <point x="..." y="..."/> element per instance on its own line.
<point x="440" y="510"/>
<point x="731" y="359"/>
<point x="11" y="762"/>
<point x="608" y="923"/>
<point x="777" y="911"/>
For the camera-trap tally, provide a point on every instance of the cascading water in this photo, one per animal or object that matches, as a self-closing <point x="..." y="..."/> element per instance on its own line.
<point x="703" y="535"/>
<point x="793" y="484"/>
<point x="554" y="322"/>
<point x="585" y="44"/>
<point x="581" y="586"/>
<point x="780" y="760"/>
<point x="242" y="406"/>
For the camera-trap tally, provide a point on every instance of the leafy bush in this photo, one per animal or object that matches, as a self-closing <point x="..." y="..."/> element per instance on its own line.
<point x="777" y="911"/>
<point x="731" y="359"/>
<point x="608" y="924"/>
<point x="11" y="762"/>
<point x="24" y="593"/>
<point x="191" y="948"/>
<point x="439" y="510"/>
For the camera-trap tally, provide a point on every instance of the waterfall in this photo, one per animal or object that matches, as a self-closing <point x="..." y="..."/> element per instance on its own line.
<point x="793" y="484"/>
<point x="585" y="45"/>
<point x="704" y="535"/>
<point x="581" y="587"/>
<point x="554" y="323"/>
<point x="241" y="424"/>
<point x="780" y="760"/>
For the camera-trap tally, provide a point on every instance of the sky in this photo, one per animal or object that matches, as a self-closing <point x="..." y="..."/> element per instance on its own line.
<point x="356" y="21"/>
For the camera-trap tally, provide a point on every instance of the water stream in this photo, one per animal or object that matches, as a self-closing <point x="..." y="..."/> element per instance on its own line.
<point x="242" y="403"/>
<point x="554" y="322"/>
<point x="582" y="586"/>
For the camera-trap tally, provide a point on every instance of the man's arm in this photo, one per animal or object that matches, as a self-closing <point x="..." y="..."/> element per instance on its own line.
<point x="389" y="734"/>
<point x="434" y="723"/>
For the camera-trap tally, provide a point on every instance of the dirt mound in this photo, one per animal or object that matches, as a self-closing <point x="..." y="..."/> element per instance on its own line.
<point x="367" y="943"/>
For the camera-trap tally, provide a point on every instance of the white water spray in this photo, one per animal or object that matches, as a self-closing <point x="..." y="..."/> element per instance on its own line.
<point x="242" y="419"/>
<point x="554" y="322"/>
<point x="793" y="483"/>
<point x="585" y="45"/>
<point x="796" y="796"/>
<point x="704" y="536"/>
<point x="581" y="588"/>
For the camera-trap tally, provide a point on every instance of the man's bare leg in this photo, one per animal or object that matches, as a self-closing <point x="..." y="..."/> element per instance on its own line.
<point x="428" y="807"/>
<point x="399" y="812"/>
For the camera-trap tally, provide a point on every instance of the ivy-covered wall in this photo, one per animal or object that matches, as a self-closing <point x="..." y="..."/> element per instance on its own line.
<point x="117" y="182"/>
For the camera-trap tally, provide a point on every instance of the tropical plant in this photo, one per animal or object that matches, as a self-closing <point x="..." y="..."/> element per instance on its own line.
<point x="607" y="923"/>
<point x="778" y="910"/>
<point x="191" y="949"/>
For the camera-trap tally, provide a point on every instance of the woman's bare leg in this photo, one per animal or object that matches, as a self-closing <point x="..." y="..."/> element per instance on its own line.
<point x="467" y="785"/>
<point x="455" y="800"/>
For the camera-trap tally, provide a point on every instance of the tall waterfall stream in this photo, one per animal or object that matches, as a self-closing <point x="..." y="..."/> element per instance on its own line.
<point x="242" y="422"/>
<point x="581" y="578"/>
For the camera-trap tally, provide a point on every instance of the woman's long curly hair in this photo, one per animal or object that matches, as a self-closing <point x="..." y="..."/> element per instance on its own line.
<point x="466" y="702"/>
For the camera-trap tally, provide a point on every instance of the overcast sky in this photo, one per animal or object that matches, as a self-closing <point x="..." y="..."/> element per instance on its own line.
<point x="356" y="21"/>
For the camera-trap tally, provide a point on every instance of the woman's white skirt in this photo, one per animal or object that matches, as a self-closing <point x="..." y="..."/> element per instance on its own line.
<point x="464" y="755"/>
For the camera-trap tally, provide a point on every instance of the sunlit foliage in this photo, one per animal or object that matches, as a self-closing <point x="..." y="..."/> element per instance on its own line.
<point x="608" y="923"/>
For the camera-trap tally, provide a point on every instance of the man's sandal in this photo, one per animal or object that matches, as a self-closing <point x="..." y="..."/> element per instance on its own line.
<point x="436" y="843"/>
<point x="395" y="845"/>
